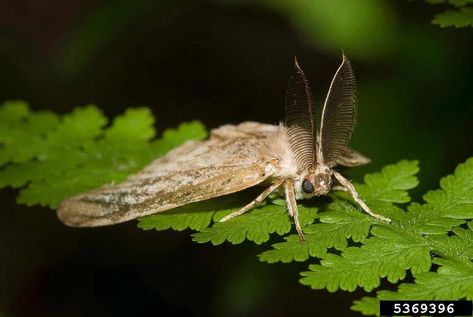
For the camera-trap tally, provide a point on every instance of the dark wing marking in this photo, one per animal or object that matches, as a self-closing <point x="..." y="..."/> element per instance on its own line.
<point x="300" y="119"/>
<point x="350" y="157"/>
<point x="192" y="172"/>
<point x="338" y="114"/>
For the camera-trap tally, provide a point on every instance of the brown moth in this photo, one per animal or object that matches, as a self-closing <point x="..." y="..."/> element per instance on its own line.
<point x="296" y="158"/>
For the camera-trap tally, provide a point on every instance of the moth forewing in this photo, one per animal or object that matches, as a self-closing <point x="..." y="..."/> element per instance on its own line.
<point x="349" y="157"/>
<point x="196" y="171"/>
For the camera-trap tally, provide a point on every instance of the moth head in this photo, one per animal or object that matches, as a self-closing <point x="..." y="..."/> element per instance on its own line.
<point x="317" y="182"/>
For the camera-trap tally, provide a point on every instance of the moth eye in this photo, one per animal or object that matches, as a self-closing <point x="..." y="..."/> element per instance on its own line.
<point x="307" y="187"/>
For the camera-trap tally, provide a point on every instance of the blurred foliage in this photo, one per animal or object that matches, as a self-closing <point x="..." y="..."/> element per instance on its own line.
<point x="105" y="25"/>
<point x="462" y="16"/>
<point x="346" y="24"/>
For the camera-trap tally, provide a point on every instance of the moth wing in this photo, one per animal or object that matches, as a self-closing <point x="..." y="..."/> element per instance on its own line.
<point x="244" y="130"/>
<point x="192" y="172"/>
<point x="349" y="157"/>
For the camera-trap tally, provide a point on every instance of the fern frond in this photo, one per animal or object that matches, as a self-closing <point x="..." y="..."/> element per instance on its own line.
<point x="52" y="157"/>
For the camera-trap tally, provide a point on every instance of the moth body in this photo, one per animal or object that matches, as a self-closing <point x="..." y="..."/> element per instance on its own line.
<point x="277" y="146"/>
<point x="297" y="158"/>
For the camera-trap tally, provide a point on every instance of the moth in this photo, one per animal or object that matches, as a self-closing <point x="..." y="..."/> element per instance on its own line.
<point x="296" y="158"/>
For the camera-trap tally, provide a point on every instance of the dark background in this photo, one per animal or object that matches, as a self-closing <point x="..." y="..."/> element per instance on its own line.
<point x="219" y="62"/>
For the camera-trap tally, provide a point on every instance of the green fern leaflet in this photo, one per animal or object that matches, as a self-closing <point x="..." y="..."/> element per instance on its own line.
<point x="48" y="157"/>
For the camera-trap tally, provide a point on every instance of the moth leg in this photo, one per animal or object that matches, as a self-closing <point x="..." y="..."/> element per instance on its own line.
<point x="292" y="205"/>
<point x="255" y="202"/>
<point x="340" y="188"/>
<point x="351" y="189"/>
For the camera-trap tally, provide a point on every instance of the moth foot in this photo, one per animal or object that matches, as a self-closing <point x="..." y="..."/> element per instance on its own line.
<point x="340" y="188"/>
<point x="379" y="217"/>
<point x="300" y="233"/>
<point x="232" y="215"/>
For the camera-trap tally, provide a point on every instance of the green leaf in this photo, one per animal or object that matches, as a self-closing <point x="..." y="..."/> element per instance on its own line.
<point x="364" y="266"/>
<point x="391" y="184"/>
<point x="255" y="225"/>
<point x="407" y="243"/>
<point x="50" y="157"/>
<point x="452" y="281"/>
<point x="21" y="134"/>
<point x="178" y="220"/>
<point x="434" y="226"/>
<point x="195" y="216"/>
<point x="13" y="112"/>
<point x="462" y="16"/>
<point x="340" y="223"/>
<point x="457" y="18"/>
<point x="366" y="306"/>
<point x="446" y="207"/>
<point x="171" y="138"/>
<point x="457" y="3"/>
<point x="54" y="157"/>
